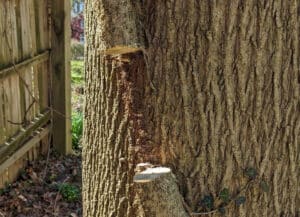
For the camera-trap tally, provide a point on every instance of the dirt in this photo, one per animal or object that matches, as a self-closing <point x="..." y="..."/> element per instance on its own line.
<point x="38" y="191"/>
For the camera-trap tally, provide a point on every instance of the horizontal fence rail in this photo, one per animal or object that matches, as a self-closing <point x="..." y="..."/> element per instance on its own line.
<point x="16" y="142"/>
<point x="22" y="65"/>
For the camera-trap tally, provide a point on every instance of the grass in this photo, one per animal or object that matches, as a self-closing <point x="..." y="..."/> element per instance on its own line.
<point x="69" y="192"/>
<point x="77" y="67"/>
<point x="77" y="128"/>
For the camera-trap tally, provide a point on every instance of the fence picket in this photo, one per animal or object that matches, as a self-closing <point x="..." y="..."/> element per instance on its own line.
<point x="24" y="66"/>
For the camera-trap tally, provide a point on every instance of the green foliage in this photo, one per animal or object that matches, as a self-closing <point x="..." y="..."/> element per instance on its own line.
<point x="52" y="177"/>
<point x="251" y="172"/>
<point x="6" y="189"/>
<point x="240" y="200"/>
<point x="207" y="202"/>
<point x="69" y="192"/>
<point x="2" y="65"/>
<point x="77" y="129"/>
<point x="225" y="198"/>
<point x="77" y="68"/>
<point x="77" y="119"/>
<point x="77" y="50"/>
<point x="222" y="210"/>
<point x="22" y="173"/>
<point x="224" y="195"/>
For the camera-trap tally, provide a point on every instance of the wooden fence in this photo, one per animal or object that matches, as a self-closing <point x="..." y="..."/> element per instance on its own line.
<point x="28" y="74"/>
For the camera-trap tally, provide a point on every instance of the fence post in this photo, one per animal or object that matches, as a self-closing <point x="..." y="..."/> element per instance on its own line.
<point x="61" y="75"/>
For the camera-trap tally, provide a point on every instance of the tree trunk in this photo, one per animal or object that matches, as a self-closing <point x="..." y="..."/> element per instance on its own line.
<point x="207" y="88"/>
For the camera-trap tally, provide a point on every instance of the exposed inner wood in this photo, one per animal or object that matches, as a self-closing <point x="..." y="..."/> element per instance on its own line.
<point x="151" y="174"/>
<point x="119" y="49"/>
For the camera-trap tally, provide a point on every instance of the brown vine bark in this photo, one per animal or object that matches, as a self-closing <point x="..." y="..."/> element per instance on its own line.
<point x="212" y="89"/>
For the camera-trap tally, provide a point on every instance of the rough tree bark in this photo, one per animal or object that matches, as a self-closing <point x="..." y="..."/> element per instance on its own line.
<point x="207" y="88"/>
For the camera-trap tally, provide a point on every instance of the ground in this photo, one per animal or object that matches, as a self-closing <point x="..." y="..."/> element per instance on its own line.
<point x="51" y="186"/>
<point x="35" y="194"/>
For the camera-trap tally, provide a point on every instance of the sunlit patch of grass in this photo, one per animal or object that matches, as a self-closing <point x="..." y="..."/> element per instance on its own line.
<point x="77" y="128"/>
<point x="77" y="67"/>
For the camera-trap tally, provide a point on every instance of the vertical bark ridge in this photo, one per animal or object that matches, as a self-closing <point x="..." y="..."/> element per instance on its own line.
<point x="238" y="101"/>
<point x="107" y="173"/>
<point x="226" y="75"/>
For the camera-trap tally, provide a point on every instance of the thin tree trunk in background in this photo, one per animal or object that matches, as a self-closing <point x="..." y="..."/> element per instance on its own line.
<point x="213" y="90"/>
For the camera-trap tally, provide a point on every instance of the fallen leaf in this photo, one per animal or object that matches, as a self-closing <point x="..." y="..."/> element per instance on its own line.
<point x="34" y="177"/>
<point x="22" y="198"/>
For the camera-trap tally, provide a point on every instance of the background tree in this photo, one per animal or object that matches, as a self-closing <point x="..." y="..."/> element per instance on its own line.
<point x="207" y="88"/>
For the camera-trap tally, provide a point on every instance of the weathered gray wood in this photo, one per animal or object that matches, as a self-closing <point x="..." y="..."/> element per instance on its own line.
<point x="30" y="61"/>
<point x="26" y="147"/>
<point x="61" y="79"/>
<point x="24" y="70"/>
<point x="16" y="142"/>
